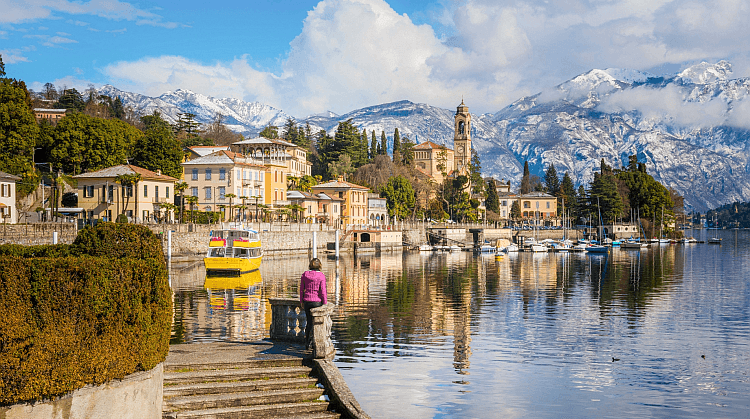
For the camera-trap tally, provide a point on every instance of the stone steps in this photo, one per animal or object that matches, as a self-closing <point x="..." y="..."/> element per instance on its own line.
<point x="281" y="387"/>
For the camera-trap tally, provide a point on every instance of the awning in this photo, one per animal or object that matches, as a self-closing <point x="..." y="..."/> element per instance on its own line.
<point x="3" y="205"/>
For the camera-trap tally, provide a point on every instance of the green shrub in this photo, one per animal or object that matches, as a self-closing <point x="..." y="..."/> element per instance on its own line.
<point x="118" y="241"/>
<point x="69" y="322"/>
<point x="68" y="319"/>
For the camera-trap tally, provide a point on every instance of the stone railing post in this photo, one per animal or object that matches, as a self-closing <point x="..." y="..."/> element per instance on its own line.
<point x="288" y="324"/>
<point x="322" y="344"/>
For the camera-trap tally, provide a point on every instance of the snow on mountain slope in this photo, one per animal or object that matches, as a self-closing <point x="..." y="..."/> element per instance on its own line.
<point x="691" y="129"/>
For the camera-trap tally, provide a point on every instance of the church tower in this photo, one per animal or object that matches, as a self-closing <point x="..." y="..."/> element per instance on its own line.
<point x="462" y="139"/>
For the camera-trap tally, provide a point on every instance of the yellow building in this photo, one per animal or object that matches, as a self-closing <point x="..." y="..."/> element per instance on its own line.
<point x="53" y="116"/>
<point x="101" y="196"/>
<point x="212" y="177"/>
<point x="355" y="206"/>
<point x="429" y="157"/>
<point x="538" y="206"/>
<point x="276" y="152"/>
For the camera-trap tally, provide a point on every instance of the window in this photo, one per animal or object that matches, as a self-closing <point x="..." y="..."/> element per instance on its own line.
<point x="547" y="205"/>
<point x="335" y="209"/>
<point x="208" y="193"/>
<point x="505" y="203"/>
<point x="527" y="204"/>
<point x="208" y="174"/>
<point x="145" y="215"/>
<point x="195" y="174"/>
<point x="156" y="192"/>
<point x="239" y="174"/>
<point x="537" y="205"/>
<point x="262" y="176"/>
<point x="129" y="190"/>
<point x="129" y="213"/>
<point x="167" y="194"/>
<point x="145" y="191"/>
<point x="275" y="176"/>
<point x="194" y="191"/>
<point x="111" y="192"/>
<point x="222" y="174"/>
<point x="222" y="192"/>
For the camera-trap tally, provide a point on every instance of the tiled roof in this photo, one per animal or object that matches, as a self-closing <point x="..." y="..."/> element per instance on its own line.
<point x="204" y="150"/>
<point x="220" y="157"/>
<point x="8" y="176"/>
<point x="265" y="141"/>
<point x="124" y="169"/>
<point x="334" y="184"/>
<point x="536" y="195"/>
<point x="427" y="145"/>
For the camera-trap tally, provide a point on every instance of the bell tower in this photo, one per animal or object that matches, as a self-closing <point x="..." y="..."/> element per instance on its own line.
<point x="462" y="139"/>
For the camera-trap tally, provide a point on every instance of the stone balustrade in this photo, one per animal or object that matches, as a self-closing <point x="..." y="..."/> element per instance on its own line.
<point x="288" y="324"/>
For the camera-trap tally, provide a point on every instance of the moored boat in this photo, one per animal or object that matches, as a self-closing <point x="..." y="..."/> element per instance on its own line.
<point x="233" y="251"/>
<point x="714" y="240"/>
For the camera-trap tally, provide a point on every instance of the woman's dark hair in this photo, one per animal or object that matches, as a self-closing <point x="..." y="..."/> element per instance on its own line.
<point x="315" y="265"/>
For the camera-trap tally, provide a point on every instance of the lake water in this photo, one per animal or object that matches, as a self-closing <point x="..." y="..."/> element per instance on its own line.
<point x="662" y="332"/>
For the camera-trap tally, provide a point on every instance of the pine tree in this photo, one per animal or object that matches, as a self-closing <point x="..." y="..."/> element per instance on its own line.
<point x="407" y="152"/>
<point x="396" y="146"/>
<point x="568" y="191"/>
<point x="2" y="66"/>
<point x="551" y="181"/>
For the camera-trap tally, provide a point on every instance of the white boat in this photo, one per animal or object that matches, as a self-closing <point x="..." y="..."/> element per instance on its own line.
<point x="632" y="244"/>
<point x="487" y="248"/>
<point x="454" y="248"/>
<point x="511" y="248"/>
<point x="537" y="248"/>
<point x="714" y="240"/>
<point x="425" y="248"/>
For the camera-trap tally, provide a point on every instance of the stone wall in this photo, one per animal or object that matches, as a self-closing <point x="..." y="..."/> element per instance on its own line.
<point x="137" y="396"/>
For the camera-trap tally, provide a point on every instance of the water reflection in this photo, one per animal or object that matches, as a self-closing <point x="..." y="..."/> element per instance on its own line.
<point x="439" y="334"/>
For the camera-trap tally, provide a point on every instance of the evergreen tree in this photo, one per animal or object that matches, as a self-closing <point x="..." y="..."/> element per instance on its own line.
<point x="71" y="99"/>
<point x="363" y="148"/>
<point x="271" y="132"/>
<point x="373" y="146"/>
<point x="526" y="179"/>
<point x="582" y="209"/>
<point x="2" y="66"/>
<point x="290" y="131"/>
<point x="383" y="143"/>
<point x="407" y="152"/>
<point x="475" y="173"/>
<point x="18" y="133"/>
<point x="515" y="210"/>
<point x="157" y="149"/>
<point x="568" y="192"/>
<point x="187" y="124"/>
<point x="396" y="146"/>
<point x="399" y="196"/>
<point x="551" y="181"/>
<point x="605" y="196"/>
<point x="492" y="202"/>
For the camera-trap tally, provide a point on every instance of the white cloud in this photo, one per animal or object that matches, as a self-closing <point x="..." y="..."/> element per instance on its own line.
<point x="667" y="105"/>
<point x="354" y="53"/>
<point x="15" y="11"/>
<point x="13" y="56"/>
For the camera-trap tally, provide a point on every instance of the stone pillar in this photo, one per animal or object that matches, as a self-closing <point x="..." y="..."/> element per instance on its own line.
<point x="288" y="324"/>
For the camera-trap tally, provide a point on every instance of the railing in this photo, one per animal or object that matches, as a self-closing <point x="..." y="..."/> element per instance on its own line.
<point x="288" y="324"/>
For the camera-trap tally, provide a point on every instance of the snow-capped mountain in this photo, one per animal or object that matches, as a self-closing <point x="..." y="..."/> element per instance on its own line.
<point x="243" y="117"/>
<point x="691" y="129"/>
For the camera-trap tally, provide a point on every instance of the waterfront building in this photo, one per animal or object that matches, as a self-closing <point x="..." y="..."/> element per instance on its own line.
<point x="354" y="208"/>
<point x="53" y="116"/>
<point x="317" y="208"/>
<point x="377" y="210"/>
<point x="8" y="209"/>
<point x="102" y="196"/>
<point x="438" y="161"/>
<point x="538" y="208"/>
<point x="276" y="152"/>
<point x="212" y="177"/>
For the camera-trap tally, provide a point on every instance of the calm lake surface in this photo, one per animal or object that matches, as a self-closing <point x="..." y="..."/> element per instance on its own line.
<point x="531" y="335"/>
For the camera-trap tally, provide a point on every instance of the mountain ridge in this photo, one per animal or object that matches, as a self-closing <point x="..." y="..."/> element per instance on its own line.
<point x="689" y="128"/>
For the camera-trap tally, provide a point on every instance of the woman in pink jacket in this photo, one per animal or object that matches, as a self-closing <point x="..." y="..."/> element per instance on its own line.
<point x="312" y="293"/>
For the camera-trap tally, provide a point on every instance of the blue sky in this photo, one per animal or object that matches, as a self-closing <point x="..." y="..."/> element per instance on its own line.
<point x="307" y="57"/>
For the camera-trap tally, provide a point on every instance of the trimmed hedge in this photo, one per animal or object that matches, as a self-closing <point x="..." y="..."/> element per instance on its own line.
<point x="69" y="321"/>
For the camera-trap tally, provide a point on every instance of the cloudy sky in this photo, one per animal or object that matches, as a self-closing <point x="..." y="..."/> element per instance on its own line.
<point x="305" y="56"/>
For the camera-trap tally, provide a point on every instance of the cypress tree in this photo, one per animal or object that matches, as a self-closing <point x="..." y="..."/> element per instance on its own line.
<point x="526" y="179"/>
<point x="493" y="200"/>
<point x="373" y="145"/>
<point x="383" y="143"/>
<point x="396" y="146"/>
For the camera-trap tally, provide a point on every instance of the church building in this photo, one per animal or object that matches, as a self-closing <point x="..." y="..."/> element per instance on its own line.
<point x="438" y="161"/>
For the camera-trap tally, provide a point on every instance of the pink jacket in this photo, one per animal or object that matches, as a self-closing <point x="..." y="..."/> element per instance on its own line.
<point x="312" y="287"/>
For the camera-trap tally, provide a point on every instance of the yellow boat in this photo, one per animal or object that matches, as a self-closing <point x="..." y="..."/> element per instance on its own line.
<point x="233" y="252"/>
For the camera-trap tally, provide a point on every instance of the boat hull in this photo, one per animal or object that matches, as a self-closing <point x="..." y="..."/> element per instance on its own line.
<point x="229" y="266"/>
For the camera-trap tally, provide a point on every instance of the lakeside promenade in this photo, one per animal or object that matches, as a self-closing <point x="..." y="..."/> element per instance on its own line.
<point x="191" y="240"/>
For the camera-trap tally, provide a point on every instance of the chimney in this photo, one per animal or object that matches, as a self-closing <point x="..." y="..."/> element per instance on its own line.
<point x="341" y="178"/>
<point x="158" y="172"/>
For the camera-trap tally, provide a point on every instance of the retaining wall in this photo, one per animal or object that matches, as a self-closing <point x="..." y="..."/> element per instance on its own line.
<point x="137" y="396"/>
